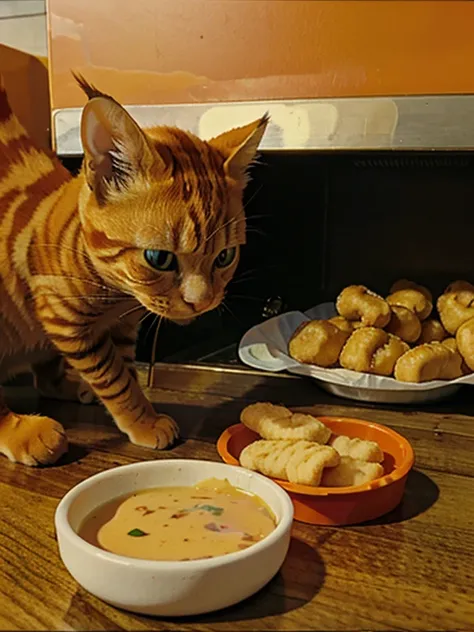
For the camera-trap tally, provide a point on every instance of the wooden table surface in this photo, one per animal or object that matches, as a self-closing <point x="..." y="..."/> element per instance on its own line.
<point x="411" y="570"/>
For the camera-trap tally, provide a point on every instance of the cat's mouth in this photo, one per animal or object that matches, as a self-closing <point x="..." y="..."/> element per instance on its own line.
<point x="183" y="322"/>
<point x="179" y="314"/>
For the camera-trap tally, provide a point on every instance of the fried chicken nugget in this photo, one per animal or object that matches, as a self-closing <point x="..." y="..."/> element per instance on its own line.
<point x="456" y="305"/>
<point x="307" y="464"/>
<point x="459" y="286"/>
<point x="431" y="361"/>
<point x="452" y="344"/>
<point x="404" y="323"/>
<point x="278" y="423"/>
<point x="351" y="472"/>
<point x="358" y="303"/>
<point x="359" y="449"/>
<point x="414" y="300"/>
<point x="300" y="462"/>
<point x="465" y="342"/>
<point x="342" y="323"/>
<point x="268" y="457"/>
<point x="432" y="331"/>
<point x="372" y="350"/>
<point x="405" y="284"/>
<point x="317" y="342"/>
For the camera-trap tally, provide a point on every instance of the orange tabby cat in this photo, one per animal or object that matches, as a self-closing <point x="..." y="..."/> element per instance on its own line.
<point x="154" y="219"/>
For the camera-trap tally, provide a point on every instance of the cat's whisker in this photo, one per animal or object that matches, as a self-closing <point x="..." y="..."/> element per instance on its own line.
<point x="76" y="251"/>
<point x="46" y="244"/>
<point x="250" y="274"/>
<point x="250" y="218"/>
<point x="254" y="195"/>
<point x="82" y="297"/>
<point x="131" y="311"/>
<point x="153" y="352"/>
<point x="155" y="319"/>
<point x="224" y="225"/>
<point x="232" y="313"/>
<point x="86" y="282"/>
<point x="257" y="231"/>
<point x="241" y="273"/>
<point x="250" y="277"/>
<point x="144" y="317"/>
<point x="232" y="220"/>
<point x="244" y="296"/>
<point x="241" y="279"/>
<point x="85" y="260"/>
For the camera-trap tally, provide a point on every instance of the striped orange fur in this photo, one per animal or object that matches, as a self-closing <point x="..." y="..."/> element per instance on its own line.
<point x="154" y="221"/>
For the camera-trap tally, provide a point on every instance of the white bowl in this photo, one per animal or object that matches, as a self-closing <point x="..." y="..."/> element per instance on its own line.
<point x="170" y="588"/>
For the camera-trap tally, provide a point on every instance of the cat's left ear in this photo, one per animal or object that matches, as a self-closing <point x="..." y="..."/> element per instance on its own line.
<point x="115" y="148"/>
<point x="240" y="145"/>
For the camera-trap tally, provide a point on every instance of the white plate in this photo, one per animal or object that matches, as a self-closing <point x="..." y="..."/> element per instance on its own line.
<point x="265" y="347"/>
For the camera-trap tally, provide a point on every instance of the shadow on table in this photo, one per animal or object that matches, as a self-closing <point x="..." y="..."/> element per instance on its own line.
<point x="74" y="454"/>
<point x="299" y="580"/>
<point x="421" y="493"/>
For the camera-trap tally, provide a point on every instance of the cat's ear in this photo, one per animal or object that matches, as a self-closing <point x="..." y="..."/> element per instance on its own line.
<point x="115" y="148"/>
<point x="240" y="145"/>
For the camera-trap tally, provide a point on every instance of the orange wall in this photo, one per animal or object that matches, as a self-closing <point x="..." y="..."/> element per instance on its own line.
<point x="26" y="80"/>
<point x="171" y="51"/>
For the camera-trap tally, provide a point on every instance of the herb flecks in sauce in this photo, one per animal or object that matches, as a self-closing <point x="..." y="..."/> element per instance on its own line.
<point x="145" y="511"/>
<point x="137" y="533"/>
<point x="215" y="511"/>
<point x="239" y="520"/>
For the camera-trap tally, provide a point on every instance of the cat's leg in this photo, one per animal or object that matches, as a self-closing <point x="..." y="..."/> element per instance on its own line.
<point x="102" y="366"/>
<point x="124" y="336"/>
<point x="30" y="439"/>
<point x="55" y="380"/>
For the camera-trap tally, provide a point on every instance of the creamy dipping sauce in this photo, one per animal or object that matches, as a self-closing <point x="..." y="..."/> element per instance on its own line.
<point x="180" y="523"/>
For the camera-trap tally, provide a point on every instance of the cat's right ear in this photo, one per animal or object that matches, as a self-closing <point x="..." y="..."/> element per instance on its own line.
<point x="116" y="150"/>
<point x="239" y="146"/>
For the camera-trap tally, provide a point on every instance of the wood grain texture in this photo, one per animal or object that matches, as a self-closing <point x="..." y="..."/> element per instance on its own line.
<point x="411" y="570"/>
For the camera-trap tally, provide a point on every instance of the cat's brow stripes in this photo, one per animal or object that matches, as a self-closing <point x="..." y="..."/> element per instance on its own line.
<point x="195" y="219"/>
<point x="199" y="177"/>
<point x="176" y="231"/>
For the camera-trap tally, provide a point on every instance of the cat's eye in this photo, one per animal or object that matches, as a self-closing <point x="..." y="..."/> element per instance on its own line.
<point x="161" y="260"/>
<point x="225" y="257"/>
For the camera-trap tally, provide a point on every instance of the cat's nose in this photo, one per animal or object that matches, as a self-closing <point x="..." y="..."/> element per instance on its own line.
<point x="200" y="306"/>
<point x="196" y="292"/>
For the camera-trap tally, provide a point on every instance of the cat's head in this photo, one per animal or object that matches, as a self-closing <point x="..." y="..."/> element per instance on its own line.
<point x="162" y="210"/>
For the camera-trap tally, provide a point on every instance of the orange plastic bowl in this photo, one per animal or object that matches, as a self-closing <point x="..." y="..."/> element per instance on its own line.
<point x="339" y="505"/>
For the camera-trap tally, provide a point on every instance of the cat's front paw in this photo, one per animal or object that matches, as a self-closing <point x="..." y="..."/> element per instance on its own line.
<point x="158" y="433"/>
<point x="34" y="440"/>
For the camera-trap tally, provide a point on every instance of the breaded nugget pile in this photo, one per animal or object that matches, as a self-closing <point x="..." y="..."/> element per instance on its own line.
<point x="293" y="448"/>
<point x="397" y="336"/>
